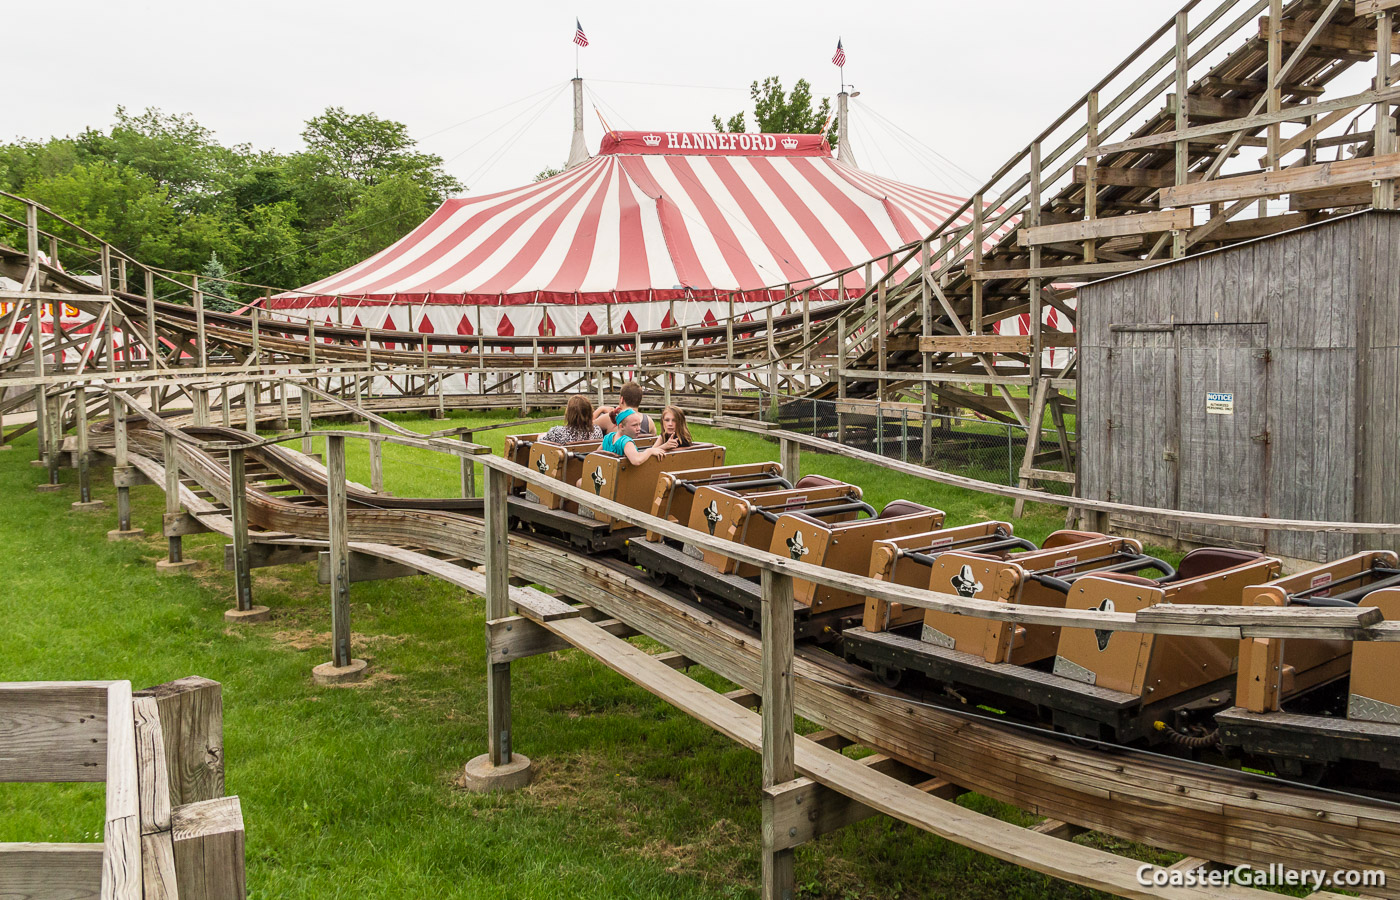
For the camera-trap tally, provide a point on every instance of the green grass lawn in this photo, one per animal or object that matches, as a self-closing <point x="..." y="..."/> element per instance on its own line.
<point x="350" y="793"/>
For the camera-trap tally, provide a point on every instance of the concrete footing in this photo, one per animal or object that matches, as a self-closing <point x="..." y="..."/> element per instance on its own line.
<point x="90" y="505"/>
<point x="330" y="673"/>
<point x="47" y="488"/>
<point x="38" y="463"/>
<point x="245" y="616"/>
<point x="167" y="567"/>
<point x="131" y="534"/>
<point x="482" y="777"/>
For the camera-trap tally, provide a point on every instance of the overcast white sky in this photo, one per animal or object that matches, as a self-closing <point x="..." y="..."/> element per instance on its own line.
<point x="973" y="81"/>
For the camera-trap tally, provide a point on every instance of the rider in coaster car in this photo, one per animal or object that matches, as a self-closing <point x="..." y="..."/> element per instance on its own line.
<point x="623" y="440"/>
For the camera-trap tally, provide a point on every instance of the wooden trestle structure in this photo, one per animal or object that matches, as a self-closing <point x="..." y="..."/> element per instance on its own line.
<point x="1178" y="149"/>
<point x="1114" y="184"/>
<point x="278" y="506"/>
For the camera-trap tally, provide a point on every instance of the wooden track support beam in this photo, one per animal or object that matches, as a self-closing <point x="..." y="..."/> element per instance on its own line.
<point x="500" y="768"/>
<point x="343" y="668"/>
<point x="993" y="343"/>
<point x="244" y="610"/>
<point x="1350" y="39"/>
<point x="1112" y="226"/>
<point x="1341" y="173"/>
<point x="804" y="810"/>
<point x="778" y="747"/>
<point x="363" y="567"/>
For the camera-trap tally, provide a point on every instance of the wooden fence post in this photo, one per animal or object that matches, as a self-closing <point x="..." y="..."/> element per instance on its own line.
<point x="203" y="349"/>
<point x="250" y="404"/>
<point x="192" y="835"/>
<point x="176" y="559"/>
<point x="152" y="345"/>
<point x="80" y="454"/>
<point x="779" y="738"/>
<point x="376" y="461"/>
<point x="192" y="725"/>
<point x="283" y="422"/>
<point x="200" y="400"/>
<point x="841" y="378"/>
<point x="790" y="455"/>
<point x="123" y="474"/>
<point x="343" y="667"/>
<point x="244" y="610"/>
<point x="499" y="769"/>
<point x="51" y="412"/>
<point x="305" y="419"/>
<point x="209" y="849"/>
<point x="468" y="469"/>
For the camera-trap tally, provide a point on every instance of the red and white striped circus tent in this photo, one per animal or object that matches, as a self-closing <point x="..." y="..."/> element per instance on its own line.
<point x="658" y="230"/>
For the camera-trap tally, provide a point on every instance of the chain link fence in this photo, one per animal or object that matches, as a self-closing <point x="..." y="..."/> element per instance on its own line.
<point x="984" y="449"/>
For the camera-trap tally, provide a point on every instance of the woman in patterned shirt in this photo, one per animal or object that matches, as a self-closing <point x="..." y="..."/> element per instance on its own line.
<point x="578" y="424"/>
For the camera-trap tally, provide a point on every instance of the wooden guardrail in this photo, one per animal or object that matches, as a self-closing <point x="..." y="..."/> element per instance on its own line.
<point x="168" y="830"/>
<point x="1229" y="623"/>
<point x="1018" y="493"/>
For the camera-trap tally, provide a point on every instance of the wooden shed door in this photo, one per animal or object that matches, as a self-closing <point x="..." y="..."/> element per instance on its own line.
<point x="1142" y="418"/>
<point x="1222" y="371"/>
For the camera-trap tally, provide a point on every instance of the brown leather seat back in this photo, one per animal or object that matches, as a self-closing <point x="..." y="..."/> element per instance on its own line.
<point x="812" y="481"/>
<point x="1065" y="537"/>
<point x="903" y="508"/>
<point x="1205" y="560"/>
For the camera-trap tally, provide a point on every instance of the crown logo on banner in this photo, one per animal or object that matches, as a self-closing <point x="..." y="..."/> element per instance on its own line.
<point x="651" y="140"/>
<point x="789" y="143"/>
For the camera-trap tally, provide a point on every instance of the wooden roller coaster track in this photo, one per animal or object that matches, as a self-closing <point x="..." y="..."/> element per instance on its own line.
<point x="1205" y="812"/>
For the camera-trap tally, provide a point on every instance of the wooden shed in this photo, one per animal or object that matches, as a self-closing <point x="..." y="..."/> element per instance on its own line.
<point x="1262" y="379"/>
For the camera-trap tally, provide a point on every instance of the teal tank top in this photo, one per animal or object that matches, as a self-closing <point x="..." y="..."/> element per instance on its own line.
<point x="616" y="442"/>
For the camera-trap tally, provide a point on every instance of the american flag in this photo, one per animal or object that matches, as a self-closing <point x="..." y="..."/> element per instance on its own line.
<point x="579" y="37"/>
<point x="839" y="59"/>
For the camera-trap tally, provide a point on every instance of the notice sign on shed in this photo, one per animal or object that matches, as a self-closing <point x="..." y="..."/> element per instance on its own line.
<point x="1219" y="403"/>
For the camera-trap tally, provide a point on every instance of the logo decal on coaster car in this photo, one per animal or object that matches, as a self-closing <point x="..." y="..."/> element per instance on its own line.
<point x="1100" y="634"/>
<point x="965" y="583"/>
<point x="796" y="547"/>
<point x="712" y="516"/>
<point x="598" y="480"/>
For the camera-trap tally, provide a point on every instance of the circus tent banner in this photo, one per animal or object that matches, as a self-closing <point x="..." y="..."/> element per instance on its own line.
<point x="660" y="229"/>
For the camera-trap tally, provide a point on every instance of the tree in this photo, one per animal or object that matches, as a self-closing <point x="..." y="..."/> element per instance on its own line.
<point x="365" y="148"/>
<point x="175" y="151"/>
<point x="385" y="212"/>
<point x="162" y="188"/>
<point x="778" y="112"/>
<point x="548" y="172"/>
<point x="349" y="153"/>
<point x="217" y="294"/>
